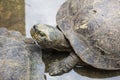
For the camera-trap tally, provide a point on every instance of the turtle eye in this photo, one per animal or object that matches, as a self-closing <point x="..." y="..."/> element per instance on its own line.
<point x="42" y="34"/>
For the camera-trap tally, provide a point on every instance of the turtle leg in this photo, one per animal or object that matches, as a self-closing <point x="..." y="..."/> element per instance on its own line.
<point x="64" y="65"/>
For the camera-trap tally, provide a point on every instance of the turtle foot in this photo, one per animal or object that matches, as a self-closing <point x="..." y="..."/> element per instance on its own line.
<point x="59" y="68"/>
<point x="63" y="66"/>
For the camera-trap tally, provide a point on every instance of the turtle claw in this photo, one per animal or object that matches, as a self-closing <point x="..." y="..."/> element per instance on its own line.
<point x="54" y="73"/>
<point x="59" y="68"/>
<point x="63" y="66"/>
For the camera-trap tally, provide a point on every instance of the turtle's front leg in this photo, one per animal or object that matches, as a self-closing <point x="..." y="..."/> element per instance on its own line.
<point x="64" y="65"/>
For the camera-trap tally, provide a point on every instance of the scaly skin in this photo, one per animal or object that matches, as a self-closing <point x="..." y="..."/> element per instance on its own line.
<point x="64" y="65"/>
<point x="50" y="37"/>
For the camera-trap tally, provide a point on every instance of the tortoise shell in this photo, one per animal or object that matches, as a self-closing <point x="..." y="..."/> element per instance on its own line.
<point x="18" y="55"/>
<point x="93" y="28"/>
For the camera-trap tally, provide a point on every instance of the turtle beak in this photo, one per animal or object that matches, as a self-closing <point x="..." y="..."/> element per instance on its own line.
<point x="33" y="31"/>
<point x="35" y="27"/>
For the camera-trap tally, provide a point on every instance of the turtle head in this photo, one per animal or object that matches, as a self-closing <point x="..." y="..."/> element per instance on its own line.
<point x="46" y="36"/>
<point x="41" y="33"/>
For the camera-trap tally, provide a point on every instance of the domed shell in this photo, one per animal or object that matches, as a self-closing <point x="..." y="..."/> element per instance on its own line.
<point x="19" y="58"/>
<point x="93" y="28"/>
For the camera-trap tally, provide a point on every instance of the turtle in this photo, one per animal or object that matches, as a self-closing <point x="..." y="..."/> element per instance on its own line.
<point x="19" y="57"/>
<point x="88" y="29"/>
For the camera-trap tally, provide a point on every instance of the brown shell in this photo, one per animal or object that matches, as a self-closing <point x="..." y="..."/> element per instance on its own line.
<point x="93" y="30"/>
<point x="19" y="57"/>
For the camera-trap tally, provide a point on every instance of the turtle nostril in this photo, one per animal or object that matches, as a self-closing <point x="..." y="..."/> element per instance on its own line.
<point x="34" y="27"/>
